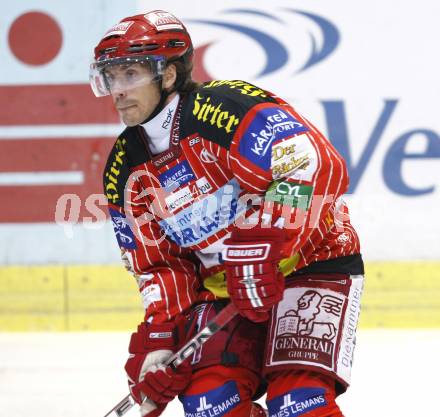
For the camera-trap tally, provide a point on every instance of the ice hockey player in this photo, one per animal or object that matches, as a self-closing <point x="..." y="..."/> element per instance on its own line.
<point x="222" y="192"/>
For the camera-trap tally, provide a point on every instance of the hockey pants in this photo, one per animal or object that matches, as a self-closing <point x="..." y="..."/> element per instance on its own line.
<point x="218" y="391"/>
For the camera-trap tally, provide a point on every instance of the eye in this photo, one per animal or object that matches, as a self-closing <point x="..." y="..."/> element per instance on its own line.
<point x="131" y="75"/>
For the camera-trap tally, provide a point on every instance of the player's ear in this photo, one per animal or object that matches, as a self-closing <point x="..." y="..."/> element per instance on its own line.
<point x="169" y="76"/>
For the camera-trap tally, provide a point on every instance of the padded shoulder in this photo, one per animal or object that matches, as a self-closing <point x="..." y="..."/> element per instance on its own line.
<point x="215" y="109"/>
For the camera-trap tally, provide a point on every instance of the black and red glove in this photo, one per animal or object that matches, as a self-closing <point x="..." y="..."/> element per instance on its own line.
<point x="254" y="281"/>
<point x="148" y="377"/>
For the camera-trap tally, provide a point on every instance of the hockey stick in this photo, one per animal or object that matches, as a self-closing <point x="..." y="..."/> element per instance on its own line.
<point x="222" y="318"/>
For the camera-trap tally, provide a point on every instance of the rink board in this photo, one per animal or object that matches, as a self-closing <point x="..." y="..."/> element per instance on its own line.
<point x="76" y="298"/>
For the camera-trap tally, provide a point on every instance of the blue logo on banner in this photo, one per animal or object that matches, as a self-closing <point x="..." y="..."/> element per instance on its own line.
<point x="176" y="176"/>
<point x="214" y="403"/>
<point x="323" y="34"/>
<point x="205" y="217"/>
<point x="297" y="402"/>
<point x="124" y="235"/>
<point x="269" y="125"/>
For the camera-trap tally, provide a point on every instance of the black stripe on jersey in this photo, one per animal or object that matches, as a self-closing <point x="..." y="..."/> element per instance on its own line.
<point x="127" y="152"/>
<point x="350" y="264"/>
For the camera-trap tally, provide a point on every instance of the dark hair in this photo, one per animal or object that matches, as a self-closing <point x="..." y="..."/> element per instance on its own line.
<point x="184" y="82"/>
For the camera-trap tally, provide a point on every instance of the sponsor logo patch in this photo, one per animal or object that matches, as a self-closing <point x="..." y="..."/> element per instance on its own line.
<point x="270" y="125"/>
<point x="176" y="176"/>
<point x="151" y="294"/>
<point x="164" y="158"/>
<point x="187" y="194"/>
<point x="297" y="402"/>
<point x="214" y="114"/>
<point x="207" y="157"/>
<point x="163" y="21"/>
<point x="213" y="403"/>
<point x="291" y="194"/>
<point x="203" y="185"/>
<point x="308" y="331"/>
<point x="160" y="335"/>
<point x="194" y="141"/>
<point x="205" y="217"/>
<point x="344" y="238"/>
<point x="166" y="123"/>
<point x="124" y="234"/>
<point x="294" y="158"/>
<point x="113" y="171"/>
<point x="247" y="253"/>
<point x="119" y="29"/>
<point x="178" y="199"/>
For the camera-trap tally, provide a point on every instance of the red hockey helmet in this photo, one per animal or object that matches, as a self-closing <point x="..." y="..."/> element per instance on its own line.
<point x="154" y="38"/>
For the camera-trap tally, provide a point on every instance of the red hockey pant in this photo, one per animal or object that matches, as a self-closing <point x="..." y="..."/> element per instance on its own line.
<point x="290" y="393"/>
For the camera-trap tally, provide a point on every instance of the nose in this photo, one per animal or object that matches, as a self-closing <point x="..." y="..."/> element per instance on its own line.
<point x="119" y="94"/>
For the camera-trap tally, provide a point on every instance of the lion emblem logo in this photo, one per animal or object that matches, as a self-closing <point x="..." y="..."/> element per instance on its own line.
<point x="313" y="317"/>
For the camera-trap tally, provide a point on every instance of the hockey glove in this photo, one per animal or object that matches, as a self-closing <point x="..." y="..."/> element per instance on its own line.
<point x="148" y="377"/>
<point x="254" y="282"/>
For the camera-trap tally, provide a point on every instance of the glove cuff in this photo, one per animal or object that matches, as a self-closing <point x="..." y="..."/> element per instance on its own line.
<point x="151" y="337"/>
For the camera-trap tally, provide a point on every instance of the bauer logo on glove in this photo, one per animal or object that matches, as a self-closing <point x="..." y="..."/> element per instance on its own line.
<point x="246" y="253"/>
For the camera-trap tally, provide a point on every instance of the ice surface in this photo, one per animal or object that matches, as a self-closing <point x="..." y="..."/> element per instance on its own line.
<point x="81" y="374"/>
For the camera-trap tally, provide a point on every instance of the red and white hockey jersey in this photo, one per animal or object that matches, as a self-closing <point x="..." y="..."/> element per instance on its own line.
<point x="236" y="153"/>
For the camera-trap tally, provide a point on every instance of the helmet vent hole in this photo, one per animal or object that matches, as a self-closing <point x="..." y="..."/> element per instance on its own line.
<point x="111" y="37"/>
<point x="141" y="48"/>
<point x="107" y="50"/>
<point x="175" y="43"/>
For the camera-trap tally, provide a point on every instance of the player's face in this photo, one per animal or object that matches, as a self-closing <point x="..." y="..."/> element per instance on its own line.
<point x="134" y="94"/>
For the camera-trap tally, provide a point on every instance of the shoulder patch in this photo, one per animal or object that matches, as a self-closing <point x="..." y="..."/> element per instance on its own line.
<point x="269" y="125"/>
<point x="295" y="158"/>
<point x="216" y="108"/>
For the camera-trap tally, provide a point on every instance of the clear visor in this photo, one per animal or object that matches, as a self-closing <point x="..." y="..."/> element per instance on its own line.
<point x="117" y="75"/>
